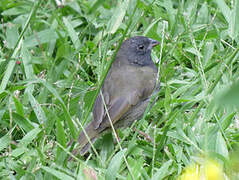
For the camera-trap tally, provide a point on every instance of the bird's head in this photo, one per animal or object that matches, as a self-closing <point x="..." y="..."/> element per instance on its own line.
<point x="137" y="50"/>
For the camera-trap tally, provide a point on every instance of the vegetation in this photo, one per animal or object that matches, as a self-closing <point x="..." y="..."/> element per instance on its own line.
<point x="54" y="56"/>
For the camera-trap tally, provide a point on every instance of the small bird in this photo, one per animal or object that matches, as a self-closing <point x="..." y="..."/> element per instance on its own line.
<point x="126" y="89"/>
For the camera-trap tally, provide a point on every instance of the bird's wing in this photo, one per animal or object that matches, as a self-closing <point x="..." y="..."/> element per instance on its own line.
<point x="98" y="111"/>
<point x="116" y="109"/>
<point x="122" y="93"/>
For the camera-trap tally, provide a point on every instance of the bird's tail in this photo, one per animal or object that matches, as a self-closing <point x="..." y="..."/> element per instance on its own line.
<point x="92" y="134"/>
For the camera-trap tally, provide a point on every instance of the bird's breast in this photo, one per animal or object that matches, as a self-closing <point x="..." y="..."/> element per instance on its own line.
<point x="129" y="78"/>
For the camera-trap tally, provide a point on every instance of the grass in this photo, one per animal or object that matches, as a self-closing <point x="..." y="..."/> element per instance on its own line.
<point x="54" y="58"/>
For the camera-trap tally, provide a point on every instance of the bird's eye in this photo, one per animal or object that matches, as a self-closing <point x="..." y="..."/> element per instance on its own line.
<point x="141" y="47"/>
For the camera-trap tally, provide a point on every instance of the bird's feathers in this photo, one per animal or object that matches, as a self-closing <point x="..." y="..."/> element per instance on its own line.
<point x="126" y="90"/>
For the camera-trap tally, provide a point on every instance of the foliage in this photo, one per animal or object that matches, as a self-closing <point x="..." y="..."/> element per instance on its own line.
<point x="54" y="56"/>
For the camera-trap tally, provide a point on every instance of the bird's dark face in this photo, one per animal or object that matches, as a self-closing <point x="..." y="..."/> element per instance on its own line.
<point x="137" y="50"/>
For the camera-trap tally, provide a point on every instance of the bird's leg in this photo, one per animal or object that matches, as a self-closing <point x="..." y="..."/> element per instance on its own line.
<point x="147" y="137"/>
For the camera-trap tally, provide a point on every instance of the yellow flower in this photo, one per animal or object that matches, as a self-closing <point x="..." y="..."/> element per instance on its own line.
<point x="213" y="170"/>
<point x="191" y="173"/>
<point x="210" y="170"/>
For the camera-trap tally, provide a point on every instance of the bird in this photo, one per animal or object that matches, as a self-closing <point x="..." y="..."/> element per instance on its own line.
<point x="126" y="90"/>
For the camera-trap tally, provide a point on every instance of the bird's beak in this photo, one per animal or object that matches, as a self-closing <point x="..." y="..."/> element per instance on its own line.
<point x="153" y="42"/>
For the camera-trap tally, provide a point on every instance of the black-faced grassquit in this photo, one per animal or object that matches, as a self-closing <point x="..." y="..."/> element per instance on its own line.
<point x="126" y="89"/>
